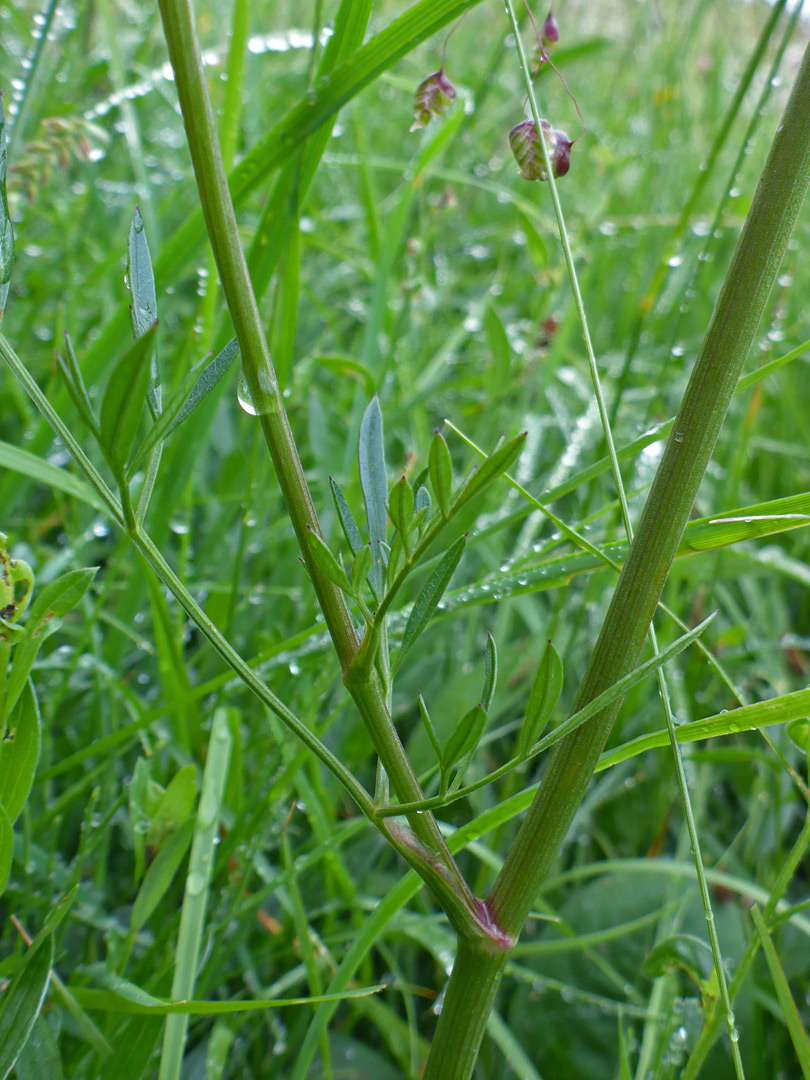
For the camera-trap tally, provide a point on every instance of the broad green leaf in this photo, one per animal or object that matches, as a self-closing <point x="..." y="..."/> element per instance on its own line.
<point x="685" y="951"/>
<point x="428" y="599"/>
<point x="6" y="848"/>
<point x="545" y="694"/>
<point x="349" y="525"/>
<point x="52" y="602"/>
<point x="498" y="462"/>
<point x="422" y="499"/>
<point x="124" y="399"/>
<point x="490" y="673"/>
<point x="143" y="311"/>
<point x="374" y="483"/>
<point x="199" y="382"/>
<point x="39" y="1058"/>
<point x="175" y="807"/>
<point x="777" y="710"/>
<point x="396" y="556"/>
<point x="465" y="738"/>
<point x="401" y="505"/>
<point x="160" y="875"/>
<point x="19" y="752"/>
<point x="790" y="1014"/>
<point x="134" y="1044"/>
<point x="58" y="598"/>
<point x="327" y="563"/>
<point x="429" y="728"/>
<point x="72" y="374"/>
<point x="22" y="1000"/>
<point x="441" y="472"/>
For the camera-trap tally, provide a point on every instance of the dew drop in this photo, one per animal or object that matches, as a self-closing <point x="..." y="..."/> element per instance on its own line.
<point x="243" y="396"/>
<point x="195" y="883"/>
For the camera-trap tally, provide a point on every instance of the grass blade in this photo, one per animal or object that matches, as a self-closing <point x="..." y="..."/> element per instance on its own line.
<point x="790" y="1013"/>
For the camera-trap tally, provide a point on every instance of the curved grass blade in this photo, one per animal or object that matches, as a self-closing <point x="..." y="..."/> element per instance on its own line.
<point x="790" y="1014"/>
<point x="145" y="1005"/>
<point x="778" y="710"/>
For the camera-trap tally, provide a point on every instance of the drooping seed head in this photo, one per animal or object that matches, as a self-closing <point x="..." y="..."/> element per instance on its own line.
<point x="525" y="144"/>
<point x="550" y="32"/>
<point x="433" y="97"/>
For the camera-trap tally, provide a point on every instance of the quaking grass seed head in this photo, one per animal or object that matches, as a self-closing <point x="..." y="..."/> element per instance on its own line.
<point x="524" y="141"/>
<point x="550" y="32"/>
<point x="433" y="98"/>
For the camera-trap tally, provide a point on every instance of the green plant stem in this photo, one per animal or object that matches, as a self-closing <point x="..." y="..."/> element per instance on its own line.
<point x="738" y="310"/>
<point x="220" y="219"/>
<point x="468" y="1001"/>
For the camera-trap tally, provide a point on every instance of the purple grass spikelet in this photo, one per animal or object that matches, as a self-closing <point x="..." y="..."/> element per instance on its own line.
<point x="525" y="143"/>
<point x="433" y="97"/>
<point x="550" y="32"/>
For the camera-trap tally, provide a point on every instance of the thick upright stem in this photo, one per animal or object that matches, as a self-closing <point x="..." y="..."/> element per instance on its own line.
<point x="467" y="1004"/>
<point x="737" y="313"/>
